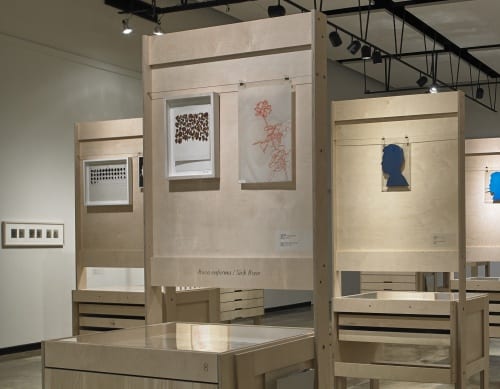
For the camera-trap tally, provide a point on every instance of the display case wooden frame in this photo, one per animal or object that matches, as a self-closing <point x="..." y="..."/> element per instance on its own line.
<point x="196" y="167"/>
<point x="195" y="356"/>
<point x="111" y="192"/>
<point x="422" y="230"/>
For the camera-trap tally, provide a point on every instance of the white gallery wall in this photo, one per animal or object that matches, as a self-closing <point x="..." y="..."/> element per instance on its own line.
<point x="51" y="78"/>
<point x="43" y="93"/>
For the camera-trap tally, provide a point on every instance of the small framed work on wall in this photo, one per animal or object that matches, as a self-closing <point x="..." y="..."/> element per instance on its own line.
<point x="107" y="182"/>
<point x="192" y="129"/>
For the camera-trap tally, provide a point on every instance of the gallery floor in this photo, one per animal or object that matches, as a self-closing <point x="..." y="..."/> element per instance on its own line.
<point x="25" y="373"/>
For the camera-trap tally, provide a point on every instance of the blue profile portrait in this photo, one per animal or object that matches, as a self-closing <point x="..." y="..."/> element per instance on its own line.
<point x="393" y="161"/>
<point x="495" y="186"/>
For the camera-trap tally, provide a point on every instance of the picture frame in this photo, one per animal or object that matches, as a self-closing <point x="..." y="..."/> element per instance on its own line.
<point x="107" y="182"/>
<point x="266" y="133"/>
<point x="492" y="185"/>
<point x="395" y="163"/>
<point x="192" y="136"/>
<point x="22" y="235"/>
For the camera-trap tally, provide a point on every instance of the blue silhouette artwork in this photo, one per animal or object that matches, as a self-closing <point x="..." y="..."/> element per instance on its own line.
<point x="495" y="186"/>
<point x="393" y="161"/>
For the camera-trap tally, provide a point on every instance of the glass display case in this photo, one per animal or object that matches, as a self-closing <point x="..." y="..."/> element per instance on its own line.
<point x="170" y="354"/>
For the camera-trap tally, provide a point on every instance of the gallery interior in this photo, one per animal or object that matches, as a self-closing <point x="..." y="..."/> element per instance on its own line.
<point x="257" y="194"/>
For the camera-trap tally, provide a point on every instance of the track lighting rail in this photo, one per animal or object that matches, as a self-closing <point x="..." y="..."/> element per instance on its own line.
<point x="150" y="11"/>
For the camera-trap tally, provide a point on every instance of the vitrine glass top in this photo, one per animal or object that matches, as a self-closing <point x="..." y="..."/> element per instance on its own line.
<point x="214" y="338"/>
<point x="404" y="295"/>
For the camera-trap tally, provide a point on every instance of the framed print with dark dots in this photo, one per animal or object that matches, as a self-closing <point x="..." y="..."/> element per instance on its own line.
<point x="107" y="182"/>
<point x="192" y="136"/>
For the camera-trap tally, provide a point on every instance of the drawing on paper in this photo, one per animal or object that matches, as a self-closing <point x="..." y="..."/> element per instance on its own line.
<point x="274" y="135"/>
<point x="393" y="160"/>
<point x="190" y="133"/>
<point x="265" y="133"/>
<point x="191" y="126"/>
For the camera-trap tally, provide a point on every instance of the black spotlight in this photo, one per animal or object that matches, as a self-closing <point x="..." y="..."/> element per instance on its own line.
<point x="354" y="47"/>
<point x="335" y="39"/>
<point x="366" y="52"/>
<point x="479" y="93"/>
<point x="422" y="81"/>
<point x="377" y="56"/>
<point x="276" y="10"/>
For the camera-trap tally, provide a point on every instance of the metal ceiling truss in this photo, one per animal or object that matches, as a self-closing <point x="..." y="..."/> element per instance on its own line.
<point x="152" y="12"/>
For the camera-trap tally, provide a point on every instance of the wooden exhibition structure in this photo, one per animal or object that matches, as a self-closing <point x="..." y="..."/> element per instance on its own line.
<point x="218" y="223"/>
<point x="415" y="228"/>
<point x="482" y="159"/>
<point x="221" y="233"/>
<point x="112" y="236"/>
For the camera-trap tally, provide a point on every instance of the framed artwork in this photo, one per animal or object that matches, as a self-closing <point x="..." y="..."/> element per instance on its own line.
<point x="265" y="132"/>
<point x="396" y="167"/>
<point x="492" y="185"/>
<point x="192" y="136"/>
<point x="107" y="182"/>
<point x="32" y="234"/>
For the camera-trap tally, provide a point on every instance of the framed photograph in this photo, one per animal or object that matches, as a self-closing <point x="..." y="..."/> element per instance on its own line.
<point x="396" y="167"/>
<point x="265" y="132"/>
<point x="192" y="129"/>
<point x="107" y="182"/>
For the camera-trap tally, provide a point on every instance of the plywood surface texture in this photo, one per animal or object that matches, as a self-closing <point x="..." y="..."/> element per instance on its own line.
<point x="219" y="232"/>
<point x="109" y="236"/>
<point x="482" y="214"/>
<point x="413" y="230"/>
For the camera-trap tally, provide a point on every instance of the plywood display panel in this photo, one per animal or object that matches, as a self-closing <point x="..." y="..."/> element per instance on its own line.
<point x="482" y="214"/>
<point x="419" y="227"/>
<point x="102" y="240"/>
<point x="408" y="230"/>
<point x="219" y="232"/>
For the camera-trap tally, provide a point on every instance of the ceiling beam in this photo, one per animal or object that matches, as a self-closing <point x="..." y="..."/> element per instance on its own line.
<point x="374" y="7"/>
<point x="440" y="39"/>
<point x="147" y="11"/>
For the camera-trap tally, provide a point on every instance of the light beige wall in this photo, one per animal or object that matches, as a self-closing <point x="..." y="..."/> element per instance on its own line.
<point x="43" y="93"/>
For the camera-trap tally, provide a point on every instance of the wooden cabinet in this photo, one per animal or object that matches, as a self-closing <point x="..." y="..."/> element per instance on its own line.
<point x="241" y="304"/>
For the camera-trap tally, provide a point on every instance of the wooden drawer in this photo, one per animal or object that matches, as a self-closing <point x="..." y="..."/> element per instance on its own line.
<point x="241" y="295"/>
<point x="242" y="304"/>
<point x="111" y="309"/>
<point x="241" y="313"/>
<point x="109" y="322"/>
<point x="372" y="286"/>
<point x="387" y="278"/>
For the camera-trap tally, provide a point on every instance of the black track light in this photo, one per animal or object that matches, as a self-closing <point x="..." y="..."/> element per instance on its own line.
<point x="479" y="93"/>
<point x="377" y="56"/>
<point x="354" y="47"/>
<point x="126" y="29"/>
<point x="276" y="10"/>
<point x="433" y="88"/>
<point x="422" y="81"/>
<point x="335" y="38"/>
<point x="366" y="52"/>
